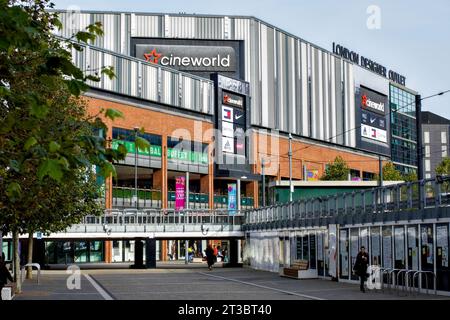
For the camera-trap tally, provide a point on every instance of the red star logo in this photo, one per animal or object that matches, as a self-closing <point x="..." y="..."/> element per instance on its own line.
<point x="152" y="57"/>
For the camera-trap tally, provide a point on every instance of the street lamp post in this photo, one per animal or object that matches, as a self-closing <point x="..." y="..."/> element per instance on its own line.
<point x="290" y="167"/>
<point x="263" y="183"/>
<point x="136" y="168"/>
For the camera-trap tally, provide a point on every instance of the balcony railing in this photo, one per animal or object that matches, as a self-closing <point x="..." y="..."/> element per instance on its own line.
<point x="394" y="202"/>
<point x="123" y="197"/>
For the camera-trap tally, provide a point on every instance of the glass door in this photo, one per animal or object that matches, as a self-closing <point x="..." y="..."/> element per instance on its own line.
<point x="343" y="254"/>
<point x="442" y="265"/>
<point x="427" y="252"/>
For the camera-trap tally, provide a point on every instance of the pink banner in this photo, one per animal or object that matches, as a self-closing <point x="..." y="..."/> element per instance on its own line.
<point x="180" y="193"/>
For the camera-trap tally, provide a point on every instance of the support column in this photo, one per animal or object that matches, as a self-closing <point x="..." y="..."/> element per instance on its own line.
<point x="206" y="186"/>
<point x="138" y="254"/>
<point x="150" y="253"/>
<point x="158" y="182"/>
<point x="164" y="184"/>
<point x="108" y="198"/>
<point x="164" y="192"/>
<point x="108" y="251"/>
<point x="251" y="190"/>
<point x="211" y="176"/>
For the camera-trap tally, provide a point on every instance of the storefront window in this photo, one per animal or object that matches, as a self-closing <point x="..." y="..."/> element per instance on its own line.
<point x="96" y="251"/>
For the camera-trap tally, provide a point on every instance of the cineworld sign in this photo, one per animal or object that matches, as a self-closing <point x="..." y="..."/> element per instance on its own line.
<point x="189" y="58"/>
<point x="368" y="64"/>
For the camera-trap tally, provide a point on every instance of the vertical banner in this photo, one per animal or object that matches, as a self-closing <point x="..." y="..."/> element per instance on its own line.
<point x="232" y="198"/>
<point x="332" y="253"/>
<point x="180" y="193"/>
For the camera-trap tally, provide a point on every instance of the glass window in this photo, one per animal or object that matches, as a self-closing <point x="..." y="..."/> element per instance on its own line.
<point x="427" y="165"/>
<point x="80" y="251"/>
<point x="444" y="136"/>
<point x="96" y="251"/>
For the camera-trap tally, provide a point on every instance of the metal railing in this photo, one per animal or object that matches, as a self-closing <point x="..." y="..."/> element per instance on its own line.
<point x="164" y="216"/>
<point x="394" y="199"/>
<point x="123" y="197"/>
<point x="394" y="276"/>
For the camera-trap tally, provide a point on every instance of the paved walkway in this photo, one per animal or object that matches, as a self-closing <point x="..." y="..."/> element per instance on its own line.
<point x="195" y="283"/>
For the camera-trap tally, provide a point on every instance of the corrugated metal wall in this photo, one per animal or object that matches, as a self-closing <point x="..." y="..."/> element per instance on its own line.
<point x="295" y="86"/>
<point x="144" y="80"/>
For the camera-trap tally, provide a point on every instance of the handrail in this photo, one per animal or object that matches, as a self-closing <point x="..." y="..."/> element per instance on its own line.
<point x="384" y="199"/>
<point x="426" y="280"/>
<point x="36" y="265"/>
<point x="397" y="285"/>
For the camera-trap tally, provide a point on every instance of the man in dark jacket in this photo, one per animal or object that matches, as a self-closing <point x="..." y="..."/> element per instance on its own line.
<point x="210" y="257"/>
<point x="4" y="275"/>
<point x="360" y="268"/>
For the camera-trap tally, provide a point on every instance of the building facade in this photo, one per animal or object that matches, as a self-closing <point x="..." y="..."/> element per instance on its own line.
<point x="436" y="134"/>
<point x="217" y="97"/>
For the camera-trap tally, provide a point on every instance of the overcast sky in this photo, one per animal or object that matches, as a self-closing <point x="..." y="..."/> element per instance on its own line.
<point x="413" y="38"/>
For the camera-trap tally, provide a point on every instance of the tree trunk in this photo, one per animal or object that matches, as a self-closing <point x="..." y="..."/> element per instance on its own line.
<point x="30" y="255"/>
<point x="17" y="262"/>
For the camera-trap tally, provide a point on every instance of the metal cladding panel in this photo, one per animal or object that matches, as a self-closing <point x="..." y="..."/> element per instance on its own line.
<point x="333" y="119"/>
<point x="167" y="88"/>
<point x="181" y="27"/>
<point x="210" y="28"/>
<point x="305" y="124"/>
<point x="150" y="82"/>
<point x="146" y="26"/>
<point x="260" y="115"/>
<point x="73" y="22"/>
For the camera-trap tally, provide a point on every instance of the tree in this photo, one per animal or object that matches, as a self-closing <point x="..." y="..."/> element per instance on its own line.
<point x="338" y="170"/>
<point x="390" y="173"/>
<point x="48" y="143"/>
<point x="444" y="169"/>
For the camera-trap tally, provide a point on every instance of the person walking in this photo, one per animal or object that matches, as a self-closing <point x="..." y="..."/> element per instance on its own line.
<point x="360" y="267"/>
<point x="4" y="274"/>
<point x="210" y="256"/>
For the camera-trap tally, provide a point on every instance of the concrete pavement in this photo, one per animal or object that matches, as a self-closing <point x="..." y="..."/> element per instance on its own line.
<point x="194" y="283"/>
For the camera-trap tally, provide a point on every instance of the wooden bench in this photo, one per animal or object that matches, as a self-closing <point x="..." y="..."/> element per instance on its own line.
<point x="299" y="269"/>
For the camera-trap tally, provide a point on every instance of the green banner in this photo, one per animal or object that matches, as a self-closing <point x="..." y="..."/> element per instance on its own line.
<point x="191" y="156"/>
<point x="155" y="151"/>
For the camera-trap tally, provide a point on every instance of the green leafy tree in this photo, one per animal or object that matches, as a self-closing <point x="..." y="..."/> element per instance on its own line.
<point x="444" y="169"/>
<point x="48" y="143"/>
<point x="338" y="170"/>
<point x="390" y="173"/>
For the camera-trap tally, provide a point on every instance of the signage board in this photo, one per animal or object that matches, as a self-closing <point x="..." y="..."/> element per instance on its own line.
<point x="312" y="175"/>
<point x="373" y="133"/>
<point x="232" y="202"/>
<point x="180" y="193"/>
<point x="227" y="144"/>
<point x="231" y="99"/>
<point x="227" y="114"/>
<point x="227" y="129"/>
<point x="189" y="57"/>
<point x="371" y="119"/>
<point x="368" y="64"/>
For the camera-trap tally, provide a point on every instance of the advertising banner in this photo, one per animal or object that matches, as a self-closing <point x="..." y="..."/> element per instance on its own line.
<point x="189" y="57"/>
<point x="180" y="193"/>
<point x="373" y="120"/>
<point x="232" y="203"/>
<point x="373" y="133"/>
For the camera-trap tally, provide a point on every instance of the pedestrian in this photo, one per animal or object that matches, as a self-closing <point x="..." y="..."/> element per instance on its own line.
<point x="360" y="267"/>
<point x="4" y="274"/>
<point x="191" y="254"/>
<point x="216" y="251"/>
<point x="210" y="256"/>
